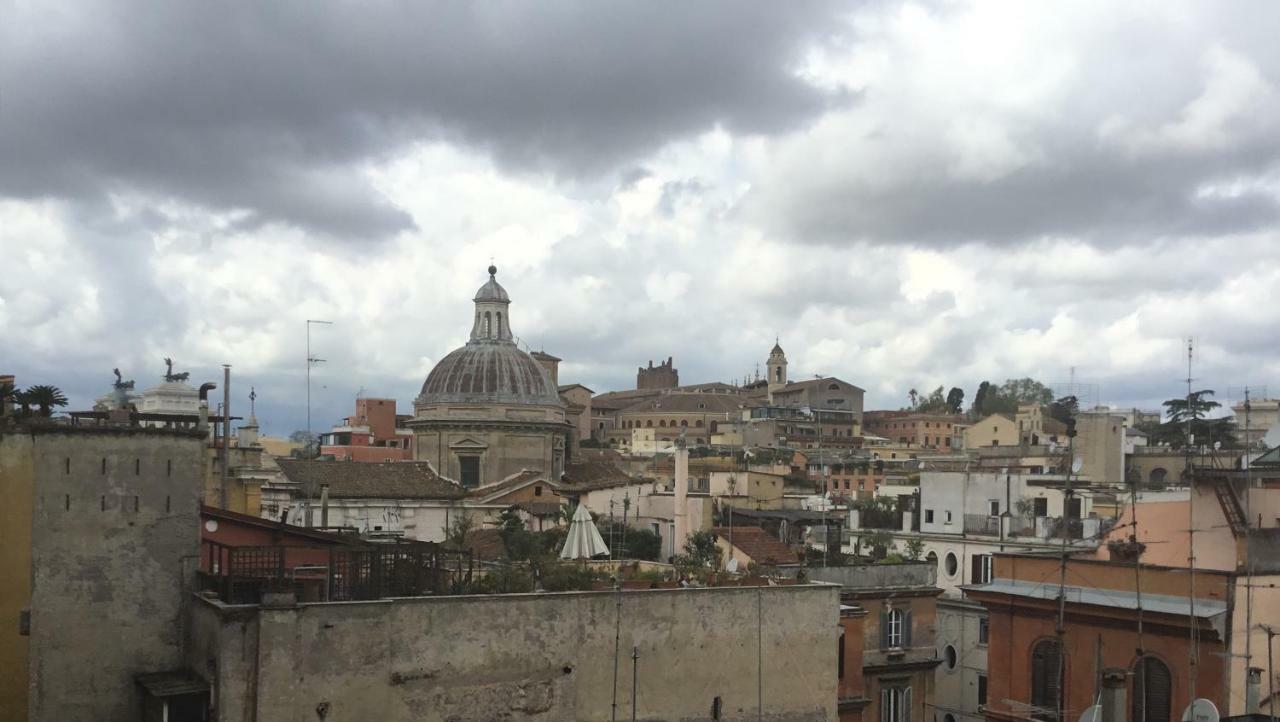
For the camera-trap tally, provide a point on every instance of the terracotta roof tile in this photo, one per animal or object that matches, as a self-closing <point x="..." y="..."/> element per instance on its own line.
<point x="366" y="480"/>
<point x="758" y="544"/>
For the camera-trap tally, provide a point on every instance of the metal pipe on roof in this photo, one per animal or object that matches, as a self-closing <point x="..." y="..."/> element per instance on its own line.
<point x="226" y="431"/>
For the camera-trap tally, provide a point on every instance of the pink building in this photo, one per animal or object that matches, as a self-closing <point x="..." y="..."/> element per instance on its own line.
<point x="373" y="433"/>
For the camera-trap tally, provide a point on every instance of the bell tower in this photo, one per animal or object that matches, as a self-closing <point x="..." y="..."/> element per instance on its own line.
<point x="776" y="367"/>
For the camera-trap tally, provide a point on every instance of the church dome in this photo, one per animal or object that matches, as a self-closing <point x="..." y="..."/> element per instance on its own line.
<point x="490" y="368"/>
<point x="489" y="373"/>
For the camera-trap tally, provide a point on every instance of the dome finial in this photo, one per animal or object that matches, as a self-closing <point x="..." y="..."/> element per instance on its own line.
<point x="493" y="270"/>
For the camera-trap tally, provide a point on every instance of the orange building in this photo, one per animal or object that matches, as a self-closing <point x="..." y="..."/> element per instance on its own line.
<point x="886" y="656"/>
<point x="1027" y="665"/>
<point x="925" y="431"/>
<point x="373" y="433"/>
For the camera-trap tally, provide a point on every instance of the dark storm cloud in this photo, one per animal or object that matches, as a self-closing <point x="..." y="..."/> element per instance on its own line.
<point x="274" y="107"/>
<point x="1082" y="192"/>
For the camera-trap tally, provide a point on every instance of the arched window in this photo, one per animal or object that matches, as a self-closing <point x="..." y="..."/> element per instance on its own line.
<point x="698" y="423"/>
<point x="1152" y="691"/>
<point x="684" y="422"/>
<point x="488" y="325"/>
<point x="649" y="423"/>
<point x="714" y="426"/>
<point x="777" y="374"/>
<point x="662" y="423"/>
<point x="1046" y="675"/>
<point x="498" y="330"/>
<point x="1157" y="476"/>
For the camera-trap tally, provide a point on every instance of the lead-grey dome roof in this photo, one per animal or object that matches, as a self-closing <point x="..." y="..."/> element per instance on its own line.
<point x="489" y="372"/>
<point x="492" y="290"/>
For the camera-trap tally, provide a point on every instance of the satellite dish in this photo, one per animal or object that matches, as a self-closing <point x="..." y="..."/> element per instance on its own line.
<point x="732" y="566"/>
<point x="1092" y="714"/>
<point x="1201" y="710"/>
<point x="922" y="466"/>
<point x="1076" y="465"/>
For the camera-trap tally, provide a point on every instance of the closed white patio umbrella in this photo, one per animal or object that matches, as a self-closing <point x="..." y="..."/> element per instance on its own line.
<point x="584" y="540"/>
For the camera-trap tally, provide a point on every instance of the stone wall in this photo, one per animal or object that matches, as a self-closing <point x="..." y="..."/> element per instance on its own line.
<point x="115" y="541"/>
<point x="526" y="656"/>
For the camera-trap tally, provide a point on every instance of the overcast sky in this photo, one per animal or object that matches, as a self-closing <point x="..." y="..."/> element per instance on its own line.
<point x="907" y="194"/>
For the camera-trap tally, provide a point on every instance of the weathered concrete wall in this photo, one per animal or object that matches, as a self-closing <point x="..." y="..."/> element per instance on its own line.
<point x="527" y="656"/>
<point x="114" y="545"/>
<point x="17" y="479"/>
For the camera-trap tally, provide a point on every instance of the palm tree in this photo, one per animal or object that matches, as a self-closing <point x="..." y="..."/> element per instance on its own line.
<point x="44" y="396"/>
<point x="8" y="394"/>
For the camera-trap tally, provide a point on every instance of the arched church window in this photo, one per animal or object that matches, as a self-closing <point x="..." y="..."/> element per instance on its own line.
<point x="498" y="329"/>
<point x="488" y="325"/>
<point x="662" y="423"/>
<point x="649" y="423"/>
<point x="684" y="422"/>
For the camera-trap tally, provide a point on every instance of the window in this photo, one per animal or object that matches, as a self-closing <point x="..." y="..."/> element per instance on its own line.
<point x="953" y="564"/>
<point x="981" y="569"/>
<point x="928" y="516"/>
<point x="895" y="629"/>
<point x="537" y="491"/>
<point x="469" y="470"/>
<point x="993" y="507"/>
<point x="840" y="657"/>
<point x="1152" y="689"/>
<point x="1045" y="677"/>
<point x="931" y="557"/>
<point x="946" y="516"/>
<point x="949" y="657"/>
<point x="982" y="691"/>
<point x="895" y="704"/>
<point x="984" y="631"/>
<point x="1040" y="506"/>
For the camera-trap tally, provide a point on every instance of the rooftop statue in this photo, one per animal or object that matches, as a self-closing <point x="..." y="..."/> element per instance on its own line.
<point x="170" y="375"/>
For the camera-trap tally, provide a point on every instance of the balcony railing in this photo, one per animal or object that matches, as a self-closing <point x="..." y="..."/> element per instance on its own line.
<point x="982" y="524"/>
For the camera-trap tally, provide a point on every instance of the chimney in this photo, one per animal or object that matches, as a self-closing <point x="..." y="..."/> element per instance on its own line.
<point x="1112" y="697"/>
<point x="1252" y="690"/>
<point x="682" y="496"/>
<point x="324" y="505"/>
<point x="203" y="424"/>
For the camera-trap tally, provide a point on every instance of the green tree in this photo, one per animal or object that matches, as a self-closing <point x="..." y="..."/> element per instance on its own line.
<point x="458" y="532"/>
<point x="934" y="403"/>
<point x="913" y="549"/>
<point x="46" y="398"/>
<point x="1204" y="431"/>
<point x="955" y="400"/>
<point x="8" y="396"/>
<point x="1196" y="406"/>
<point x="700" y="551"/>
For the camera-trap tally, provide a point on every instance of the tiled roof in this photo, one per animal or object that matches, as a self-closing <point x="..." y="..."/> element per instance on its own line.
<point x="812" y="383"/>
<point x="758" y="544"/>
<point x="512" y="482"/>
<point x="582" y="475"/>
<point x="364" y="480"/>
<point x="685" y="402"/>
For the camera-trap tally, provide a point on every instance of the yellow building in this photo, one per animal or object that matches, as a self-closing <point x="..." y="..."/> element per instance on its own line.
<point x="993" y="430"/>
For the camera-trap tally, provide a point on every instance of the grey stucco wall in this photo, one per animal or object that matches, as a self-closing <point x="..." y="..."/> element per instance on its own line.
<point x="528" y="657"/>
<point x="115" y="538"/>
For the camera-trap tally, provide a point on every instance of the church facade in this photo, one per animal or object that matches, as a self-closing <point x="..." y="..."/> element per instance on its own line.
<point x="489" y="410"/>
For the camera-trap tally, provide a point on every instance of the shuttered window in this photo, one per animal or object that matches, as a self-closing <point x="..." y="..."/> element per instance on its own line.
<point x="1045" y="677"/>
<point x="1152" y="691"/>
<point x="895" y="704"/>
